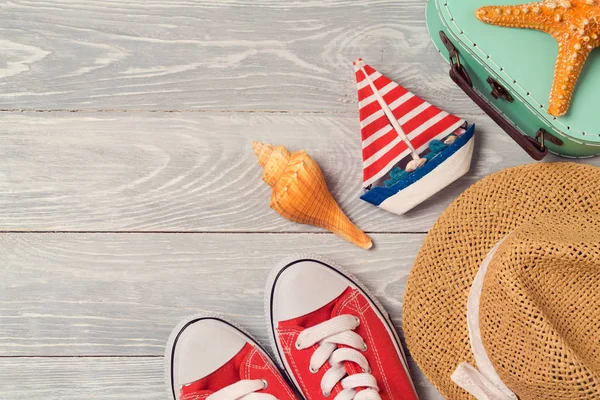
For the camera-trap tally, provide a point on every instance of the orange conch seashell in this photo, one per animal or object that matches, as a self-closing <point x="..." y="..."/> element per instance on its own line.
<point x="300" y="193"/>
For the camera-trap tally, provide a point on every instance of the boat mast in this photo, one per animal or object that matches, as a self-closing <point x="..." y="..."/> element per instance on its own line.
<point x="390" y="116"/>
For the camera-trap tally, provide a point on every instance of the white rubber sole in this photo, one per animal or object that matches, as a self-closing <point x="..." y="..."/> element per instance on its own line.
<point x="353" y="282"/>
<point x="443" y="175"/>
<point x="173" y="393"/>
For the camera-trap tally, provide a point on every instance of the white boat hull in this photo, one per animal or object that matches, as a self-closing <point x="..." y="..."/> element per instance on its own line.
<point x="446" y="173"/>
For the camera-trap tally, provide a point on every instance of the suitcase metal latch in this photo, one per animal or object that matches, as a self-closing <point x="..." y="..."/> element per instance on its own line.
<point x="498" y="91"/>
<point x="542" y="135"/>
<point x="460" y="76"/>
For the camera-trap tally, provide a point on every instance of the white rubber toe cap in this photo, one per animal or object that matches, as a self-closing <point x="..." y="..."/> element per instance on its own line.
<point x="302" y="287"/>
<point x="202" y="347"/>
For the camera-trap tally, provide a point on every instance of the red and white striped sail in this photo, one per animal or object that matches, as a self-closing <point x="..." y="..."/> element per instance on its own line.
<point x="421" y="122"/>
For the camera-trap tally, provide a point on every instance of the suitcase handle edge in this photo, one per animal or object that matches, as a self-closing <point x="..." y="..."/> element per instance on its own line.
<point x="460" y="76"/>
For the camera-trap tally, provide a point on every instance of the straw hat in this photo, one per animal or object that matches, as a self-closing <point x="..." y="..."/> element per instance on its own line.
<point x="503" y="301"/>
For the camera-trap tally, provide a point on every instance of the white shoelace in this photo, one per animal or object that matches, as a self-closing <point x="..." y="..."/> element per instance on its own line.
<point x="329" y="334"/>
<point x="243" y="390"/>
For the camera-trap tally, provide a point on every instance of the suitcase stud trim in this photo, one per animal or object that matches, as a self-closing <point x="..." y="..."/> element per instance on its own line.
<point x="559" y="127"/>
<point x="461" y="77"/>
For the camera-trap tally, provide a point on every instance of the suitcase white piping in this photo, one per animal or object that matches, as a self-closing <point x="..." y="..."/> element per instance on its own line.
<point x="488" y="57"/>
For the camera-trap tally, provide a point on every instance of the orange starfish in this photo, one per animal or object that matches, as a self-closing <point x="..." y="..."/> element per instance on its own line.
<point x="574" y="24"/>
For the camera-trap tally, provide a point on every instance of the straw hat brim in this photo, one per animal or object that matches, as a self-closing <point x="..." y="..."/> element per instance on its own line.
<point x="434" y="315"/>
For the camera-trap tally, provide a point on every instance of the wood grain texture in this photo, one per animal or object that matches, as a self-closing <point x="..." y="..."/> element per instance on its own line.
<point x="193" y="172"/>
<point x="82" y="378"/>
<point x="213" y="55"/>
<point x="82" y="296"/>
<point x="103" y="379"/>
<point x="121" y="294"/>
<point x="86" y="315"/>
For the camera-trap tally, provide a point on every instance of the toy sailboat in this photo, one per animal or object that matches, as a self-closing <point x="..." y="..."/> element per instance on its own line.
<point x="411" y="149"/>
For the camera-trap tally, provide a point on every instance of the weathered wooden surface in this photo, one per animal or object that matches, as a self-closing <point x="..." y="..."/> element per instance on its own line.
<point x="192" y="172"/>
<point x="103" y="378"/>
<point x="121" y="294"/>
<point x="82" y="378"/>
<point x="125" y="142"/>
<point x="212" y="55"/>
<point x="90" y="296"/>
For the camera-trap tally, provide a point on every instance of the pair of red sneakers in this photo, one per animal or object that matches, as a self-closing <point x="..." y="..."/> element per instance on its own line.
<point x="332" y="340"/>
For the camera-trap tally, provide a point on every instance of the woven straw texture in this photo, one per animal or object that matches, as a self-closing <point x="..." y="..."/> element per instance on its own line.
<point x="540" y="309"/>
<point x="434" y="319"/>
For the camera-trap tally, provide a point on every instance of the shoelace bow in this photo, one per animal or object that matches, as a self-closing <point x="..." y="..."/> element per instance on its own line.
<point x="243" y="390"/>
<point x="329" y="334"/>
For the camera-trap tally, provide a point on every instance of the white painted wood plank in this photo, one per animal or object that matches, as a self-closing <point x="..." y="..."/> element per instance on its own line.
<point x="103" y="379"/>
<point x="67" y="295"/>
<point x="193" y="171"/>
<point x="82" y="378"/>
<point x="121" y="294"/>
<point x="82" y="295"/>
<point x="223" y="55"/>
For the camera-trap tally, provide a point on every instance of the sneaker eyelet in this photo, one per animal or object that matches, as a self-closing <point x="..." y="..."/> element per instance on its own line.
<point x="313" y="370"/>
<point x="298" y="345"/>
<point x="368" y="370"/>
<point x="326" y="394"/>
<point x="365" y="348"/>
<point x="357" y="320"/>
<point x="265" y="384"/>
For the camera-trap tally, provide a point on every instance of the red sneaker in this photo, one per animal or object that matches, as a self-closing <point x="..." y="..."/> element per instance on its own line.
<point x="332" y="337"/>
<point x="209" y="358"/>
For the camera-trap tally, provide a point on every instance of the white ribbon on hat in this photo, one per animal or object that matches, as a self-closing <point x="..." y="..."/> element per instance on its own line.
<point x="482" y="382"/>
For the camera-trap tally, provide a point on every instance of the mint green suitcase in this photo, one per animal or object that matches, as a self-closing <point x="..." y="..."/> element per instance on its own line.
<point x="508" y="73"/>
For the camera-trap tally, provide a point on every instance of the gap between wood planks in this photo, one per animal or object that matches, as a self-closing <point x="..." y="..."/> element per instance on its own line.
<point x="167" y="111"/>
<point x="202" y="232"/>
<point x="91" y="356"/>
